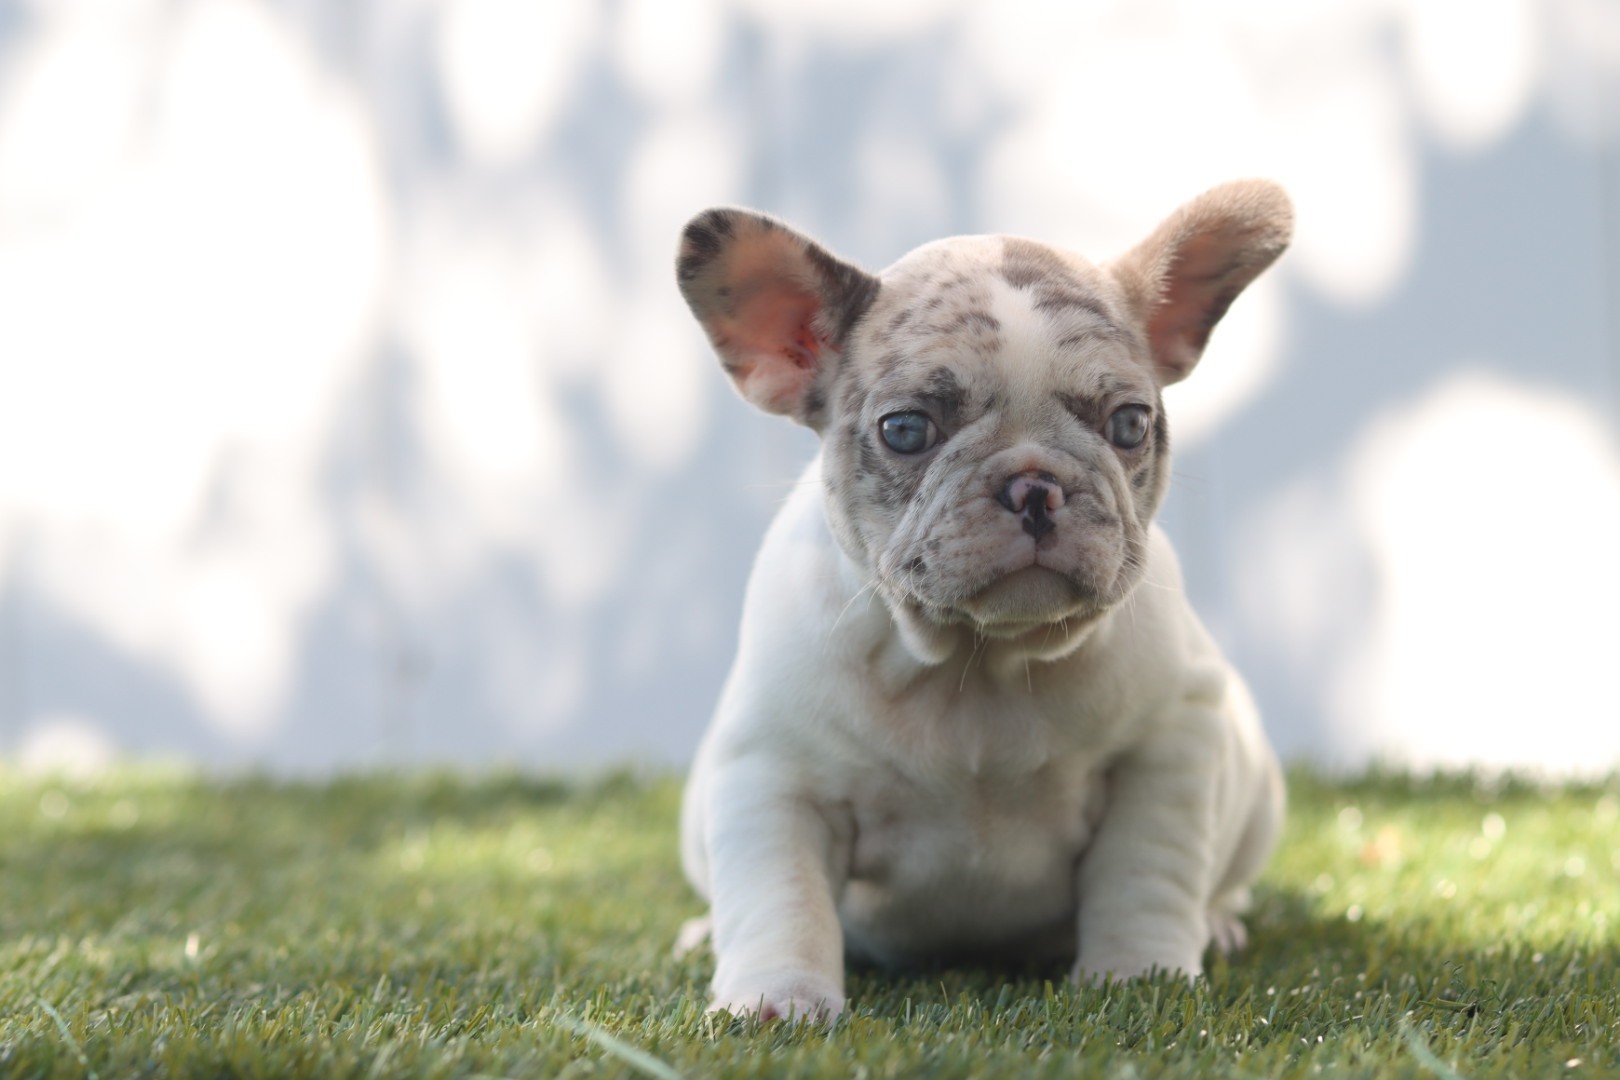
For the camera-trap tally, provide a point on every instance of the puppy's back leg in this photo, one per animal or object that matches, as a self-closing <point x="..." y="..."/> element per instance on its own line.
<point x="694" y="848"/>
<point x="695" y="861"/>
<point x="1231" y="899"/>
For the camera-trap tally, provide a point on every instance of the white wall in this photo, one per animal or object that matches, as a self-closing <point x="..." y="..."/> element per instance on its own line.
<point x="349" y="415"/>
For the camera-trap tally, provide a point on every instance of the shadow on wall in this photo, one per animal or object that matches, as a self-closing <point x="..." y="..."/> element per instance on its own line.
<point x="1416" y="542"/>
<point x="349" y="415"/>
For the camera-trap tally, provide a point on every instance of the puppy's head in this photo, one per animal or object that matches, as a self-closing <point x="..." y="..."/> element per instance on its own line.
<point x="995" y="443"/>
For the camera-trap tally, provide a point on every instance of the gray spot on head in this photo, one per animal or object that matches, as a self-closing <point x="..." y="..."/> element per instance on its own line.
<point x="854" y="392"/>
<point x="946" y="391"/>
<point x="870" y="462"/>
<point x="1151" y="478"/>
<point x="1084" y="408"/>
<point x="889" y="484"/>
<point x="972" y="322"/>
<point x="1054" y="299"/>
<point x="1056" y="286"/>
<point x="890" y="361"/>
<point x="1100" y="393"/>
<point x="1026" y="264"/>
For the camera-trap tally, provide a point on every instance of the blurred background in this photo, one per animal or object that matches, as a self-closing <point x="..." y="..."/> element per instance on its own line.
<point x="349" y="416"/>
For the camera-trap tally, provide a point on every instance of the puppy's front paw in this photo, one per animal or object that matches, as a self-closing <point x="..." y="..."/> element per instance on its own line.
<point x="1091" y="971"/>
<point x="781" y="995"/>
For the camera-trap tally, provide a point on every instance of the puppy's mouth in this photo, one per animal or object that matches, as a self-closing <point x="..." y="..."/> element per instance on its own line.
<point x="1031" y="596"/>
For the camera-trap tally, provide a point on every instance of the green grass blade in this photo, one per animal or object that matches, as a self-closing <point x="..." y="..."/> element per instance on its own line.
<point x="613" y="1046"/>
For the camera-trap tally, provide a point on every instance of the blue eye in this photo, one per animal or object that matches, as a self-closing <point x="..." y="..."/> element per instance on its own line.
<point x="1128" y="427"/>
<point x="908" y="432"/>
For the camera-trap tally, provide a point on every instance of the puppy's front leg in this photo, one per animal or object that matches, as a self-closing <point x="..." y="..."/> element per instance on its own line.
<point x="1145" y="881"/>
<point x="774" y="872"/>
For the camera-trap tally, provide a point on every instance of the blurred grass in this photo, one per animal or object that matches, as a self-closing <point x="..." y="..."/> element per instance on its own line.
<point x="159" y="924"/>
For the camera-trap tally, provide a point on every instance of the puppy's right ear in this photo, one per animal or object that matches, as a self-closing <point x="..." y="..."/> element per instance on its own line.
<point x="1183" y="277"/>
<point x="776" y="306"/>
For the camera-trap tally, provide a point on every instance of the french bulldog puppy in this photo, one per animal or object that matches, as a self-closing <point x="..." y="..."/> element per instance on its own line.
<point x="972" y="714"/>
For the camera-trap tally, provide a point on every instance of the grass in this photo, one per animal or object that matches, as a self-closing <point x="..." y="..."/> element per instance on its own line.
<point x="429" y="926"/>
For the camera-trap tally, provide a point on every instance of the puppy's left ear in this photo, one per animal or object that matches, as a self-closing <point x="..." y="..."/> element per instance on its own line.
<point x="1182" y="278"/>
<point x="776" y="306"/>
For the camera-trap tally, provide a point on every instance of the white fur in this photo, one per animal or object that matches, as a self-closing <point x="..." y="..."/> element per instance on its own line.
<point x="957" y="725"/>
<point x="1116" y="800"/>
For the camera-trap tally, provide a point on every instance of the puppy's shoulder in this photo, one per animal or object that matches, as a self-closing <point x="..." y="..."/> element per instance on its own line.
<point x="1163" y="591"/>
<point x="802" y="616"/>
<point x="800" y="573"/>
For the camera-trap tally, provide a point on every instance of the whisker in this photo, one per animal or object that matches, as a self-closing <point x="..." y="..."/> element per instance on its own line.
<point x="967" y="667"/>
<point x="1183" y="479"/>
<point x="869" y="588"/>
<point x="777" y="485"/>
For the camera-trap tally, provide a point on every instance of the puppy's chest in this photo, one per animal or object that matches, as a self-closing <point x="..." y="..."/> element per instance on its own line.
<point x="911" y="833"/>
<point x="963" y="775"/>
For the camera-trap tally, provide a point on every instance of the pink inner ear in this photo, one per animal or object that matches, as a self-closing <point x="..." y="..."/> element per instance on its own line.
<point x="1180" y="326"/>
<point x="776" y="319"/>
<point x="771" y="344"/>
<point x="1178" y="331"/>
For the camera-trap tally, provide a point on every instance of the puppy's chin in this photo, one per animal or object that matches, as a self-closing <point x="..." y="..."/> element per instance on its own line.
<point x="1038" y="611"/>
<point x="1022" y="601"/>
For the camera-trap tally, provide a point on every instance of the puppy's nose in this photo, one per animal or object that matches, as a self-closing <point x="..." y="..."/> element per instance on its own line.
<point x="1034" y="495"/>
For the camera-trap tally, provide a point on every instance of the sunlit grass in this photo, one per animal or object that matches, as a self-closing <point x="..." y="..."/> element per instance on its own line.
<point x="154" y="923"/>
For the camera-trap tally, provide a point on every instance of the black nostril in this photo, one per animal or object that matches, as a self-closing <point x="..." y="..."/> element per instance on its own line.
<point x="1014" y="494"/>
<point x="1037" y="522"/>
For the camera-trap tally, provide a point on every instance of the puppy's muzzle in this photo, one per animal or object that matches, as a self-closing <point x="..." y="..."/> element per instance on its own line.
<point x="1034" y="496"/>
